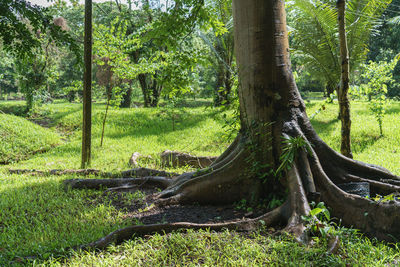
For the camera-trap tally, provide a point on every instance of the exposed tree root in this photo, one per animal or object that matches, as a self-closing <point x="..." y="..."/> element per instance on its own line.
<point x="144" y="172"/>
<point x="160" y="182"/>
<point x="60" y="172"/>
<point x="271" y="218"/>
<point x="180" y="159"/>
<point x="137" y="172"/>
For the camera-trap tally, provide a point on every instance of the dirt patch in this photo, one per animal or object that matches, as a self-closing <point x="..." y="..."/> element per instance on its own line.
<point x="137" y="206"/>
<point x="44" y="122"/>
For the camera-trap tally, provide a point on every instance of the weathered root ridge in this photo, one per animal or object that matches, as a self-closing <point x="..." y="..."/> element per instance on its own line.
<point x="329" y="168"/>
<point x="136" y="172"/>
<point x="160" y="182"/>
<point x="312" y="177"/>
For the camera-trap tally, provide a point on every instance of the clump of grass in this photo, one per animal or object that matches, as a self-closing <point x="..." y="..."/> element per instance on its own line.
<point x="20" y="138"/>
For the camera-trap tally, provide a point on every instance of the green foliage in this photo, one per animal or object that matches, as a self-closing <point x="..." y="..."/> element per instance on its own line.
<point x="387" y="198"/>
<point x="291" y="147"/>
<point x="378" y="75"/>
<point x="22" y="22"/>
<point x="314" y="35"/>
<point x="318" y="221"/>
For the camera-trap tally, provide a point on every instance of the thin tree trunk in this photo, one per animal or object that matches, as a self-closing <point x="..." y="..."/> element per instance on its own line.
<point x="127" y="100"/>
<point x="344" y="103"/>
<point x="87" y="87"/>
<point x="219" y="87"/>
<point x="145" y="91"/>
<point x="105" y="115"/>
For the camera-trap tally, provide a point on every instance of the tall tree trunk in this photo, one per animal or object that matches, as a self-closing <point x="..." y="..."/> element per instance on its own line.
<point x="344" y="103"/>
<point x="219" y="86"/>
<point x="127" y="99"/>
<point x="87" y="87"/>
<point x="156" y="91"/>
<point x="145" y="90"/>
<point x="109" y="93"/>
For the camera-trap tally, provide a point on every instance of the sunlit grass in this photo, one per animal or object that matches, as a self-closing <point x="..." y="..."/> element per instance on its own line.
<point x="40" y="218"/>
<point x="147" y="131"/>
<point x="19" y="138"/>
<point x="367" y="144"/>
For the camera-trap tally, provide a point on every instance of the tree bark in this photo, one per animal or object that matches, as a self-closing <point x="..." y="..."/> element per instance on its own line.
<point x="87" y="87"/>
<point x="344" y="103"/>
<point x="127" y="99"/>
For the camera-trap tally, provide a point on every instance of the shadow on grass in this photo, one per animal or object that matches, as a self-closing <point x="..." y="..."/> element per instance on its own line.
<point x="393" y="109"/>
<point x="141" y="123"/>
<point x="363" y="141"/>
<point x="46" y="220"/>
<point x="17" y="108"/>
<point x="310" y="104"/>
<point x="324" y="127"/>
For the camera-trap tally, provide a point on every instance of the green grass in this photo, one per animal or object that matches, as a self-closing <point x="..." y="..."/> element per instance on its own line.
<point x="229" y="248"/>
<point x="147" y="131"/>
<point x="20" y="138"/>
<point x="39" y="218"/>
<point x="367" y="144"/>
<point x="13" y="107"/>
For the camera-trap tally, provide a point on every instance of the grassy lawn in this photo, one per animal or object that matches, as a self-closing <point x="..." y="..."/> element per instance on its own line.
<point x="39" y="218"/>
<point x="20" y="138"/>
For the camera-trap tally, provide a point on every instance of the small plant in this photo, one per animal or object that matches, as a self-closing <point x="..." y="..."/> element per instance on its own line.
<point x="275" y="202"/>
<point x="173" y="112"/>
<point x="291" y="147"/>
<point x="379" y="198"/>
<point x="243" y="205"/>
<point x="378" y="75"/>
<point x="318" y="220"/>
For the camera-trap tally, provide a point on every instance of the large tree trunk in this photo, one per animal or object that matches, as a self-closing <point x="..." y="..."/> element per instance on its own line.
<point x="344" y="103"/>
<point x="271" y="109"/>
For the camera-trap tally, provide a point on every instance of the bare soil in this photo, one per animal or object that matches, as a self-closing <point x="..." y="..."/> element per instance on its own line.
<point x="140" y="210"/>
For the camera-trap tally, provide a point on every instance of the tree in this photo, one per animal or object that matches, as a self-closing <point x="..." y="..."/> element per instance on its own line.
<point x="271" y="109"/>
<point x="28" y="32"/>
<point x="221" y="42"/>
<point x="386" y="46"/>
<point x="314" y="35"/>
<point x="344" y="102"/>
<point x="316" y="39"/>
<point x="87" y="87"/>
